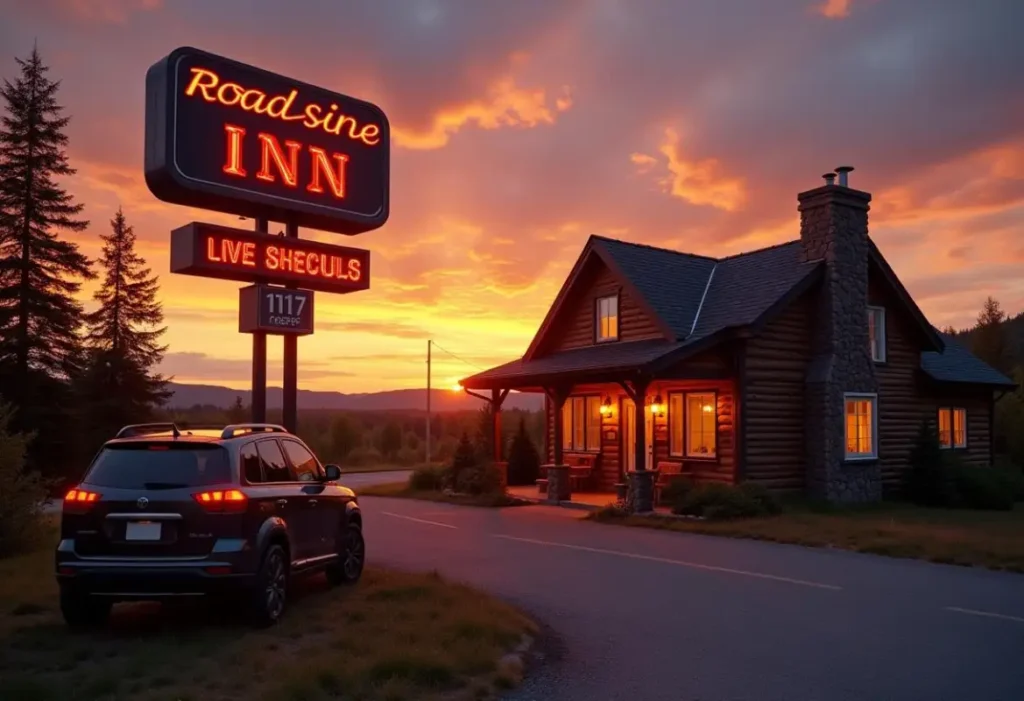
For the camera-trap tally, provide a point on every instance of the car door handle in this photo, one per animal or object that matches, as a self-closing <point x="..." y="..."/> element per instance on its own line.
<point x="282" y="502"/>
<point x="312" y="502"/>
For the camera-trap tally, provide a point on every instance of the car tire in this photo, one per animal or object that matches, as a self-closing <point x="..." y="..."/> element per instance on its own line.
<point x="351" y="557"/>
<point x="82" y="611"/>
<point x="270" y="592"/>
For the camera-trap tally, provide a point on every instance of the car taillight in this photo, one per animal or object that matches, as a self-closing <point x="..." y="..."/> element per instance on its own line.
<point x="226" y="500"/>
<point x="79" y="499"/>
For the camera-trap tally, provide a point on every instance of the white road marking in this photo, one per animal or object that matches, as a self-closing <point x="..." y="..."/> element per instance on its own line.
<point x="986" y="614"/>
<point x="681" y="563"/>
<point x="420" y="520"/>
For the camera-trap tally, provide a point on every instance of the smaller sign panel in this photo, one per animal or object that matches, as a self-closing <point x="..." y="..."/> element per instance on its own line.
<point x="210" y="250"/>
<point x="276" y="310"/>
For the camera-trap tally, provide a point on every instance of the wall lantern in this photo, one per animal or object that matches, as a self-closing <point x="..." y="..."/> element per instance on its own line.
<point x="657" y="406"/>
<point x="707" y="408"/>
<point x="606" y="406"/>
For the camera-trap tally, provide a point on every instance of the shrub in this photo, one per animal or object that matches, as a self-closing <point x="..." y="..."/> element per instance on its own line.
<point x="722" y="501"/>
<point x="676" y="491"/>
<point x="929" y="480"/>
<point x="979" y="487"/>
<point x="523" y="458"/>
<point x="483" y="478"/>
<point x="22" y="492"/>
<point x="429" y="479"/>
<point x="465" y="457"/>
<point x="770" y="505"/>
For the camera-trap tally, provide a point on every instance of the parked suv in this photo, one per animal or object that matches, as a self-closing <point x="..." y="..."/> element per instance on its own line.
<point x="166" y="512"/>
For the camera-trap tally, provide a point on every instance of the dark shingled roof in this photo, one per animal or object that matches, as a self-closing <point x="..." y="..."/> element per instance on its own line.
<point x="671" y="283"/>
<point x="697" y="297"/>
<point x="957" y="364"/>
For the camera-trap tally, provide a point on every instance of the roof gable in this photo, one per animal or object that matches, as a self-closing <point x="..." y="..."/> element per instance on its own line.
<point x="933" y="340"/>
<point x="579" y="288"/>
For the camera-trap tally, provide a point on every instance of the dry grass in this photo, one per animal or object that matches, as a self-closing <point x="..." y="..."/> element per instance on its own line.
<point x="356" y="469"/>
<point x="402" y="490"/>
<point x="394" y="636"/>
<point x="993" y="539"/>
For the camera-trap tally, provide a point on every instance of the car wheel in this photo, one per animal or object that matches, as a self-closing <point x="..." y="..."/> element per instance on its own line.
<point x="351" y="557"/>
<point x="270" y="594"/>
<point x="82" y="611"/>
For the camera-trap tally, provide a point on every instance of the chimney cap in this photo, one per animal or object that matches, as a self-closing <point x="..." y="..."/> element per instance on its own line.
<point x="830" y="178"/>
<point x="844" y="169"/>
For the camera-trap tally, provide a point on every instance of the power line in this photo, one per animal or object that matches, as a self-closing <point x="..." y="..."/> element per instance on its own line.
<point x="460" y="359"/>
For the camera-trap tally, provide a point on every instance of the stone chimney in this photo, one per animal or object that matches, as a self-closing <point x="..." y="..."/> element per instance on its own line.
<point x="834" y="229"/>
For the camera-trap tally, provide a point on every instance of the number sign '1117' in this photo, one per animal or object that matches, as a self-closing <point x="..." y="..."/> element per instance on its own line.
<point x="275" y="310"/>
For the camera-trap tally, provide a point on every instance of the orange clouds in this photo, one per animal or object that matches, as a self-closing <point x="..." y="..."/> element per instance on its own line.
<point x="108" y="11"/>
<point x="700" y="182"/>
<point x="505" y="105"/>
<point x="834" y="9"/>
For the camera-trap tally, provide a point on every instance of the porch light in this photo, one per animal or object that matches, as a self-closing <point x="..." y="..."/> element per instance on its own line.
<point x="657" y="407"/>
<point x="606" y="406"/>
<point x="707" y="408"/>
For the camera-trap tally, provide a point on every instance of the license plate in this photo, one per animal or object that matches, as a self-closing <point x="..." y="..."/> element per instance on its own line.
<point x="142" y="530"/>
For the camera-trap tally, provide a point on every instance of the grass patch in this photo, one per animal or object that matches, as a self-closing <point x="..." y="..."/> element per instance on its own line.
<point x="393" y="636"/>
<point x="402" y="490"/>
<point x="993" y="539"/>
<point x="358" y="469"/>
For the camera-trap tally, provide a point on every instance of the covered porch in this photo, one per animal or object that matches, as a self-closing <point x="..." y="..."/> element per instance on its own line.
<point x="623" y="420"/>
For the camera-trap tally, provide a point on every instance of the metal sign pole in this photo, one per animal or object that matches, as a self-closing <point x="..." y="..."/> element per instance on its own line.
<point x="259" y="360"/>
<point x="290" y="413"/>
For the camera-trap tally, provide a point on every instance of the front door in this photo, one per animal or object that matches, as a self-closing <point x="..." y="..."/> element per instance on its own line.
<point x="628" y="428"/>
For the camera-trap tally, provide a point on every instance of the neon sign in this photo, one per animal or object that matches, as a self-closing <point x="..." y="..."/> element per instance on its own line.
<point x="233" y="138"/>
<point x="209" y="250"/>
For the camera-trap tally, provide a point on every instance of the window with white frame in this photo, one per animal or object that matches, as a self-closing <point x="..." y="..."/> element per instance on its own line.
<point x="876" y="333"/>
<point x="606" y="320"/>
<point x="693" y="425"/>
<point x="952" y="427"/>
<point x="861" y="426"/>
<point x="581" y="424"/>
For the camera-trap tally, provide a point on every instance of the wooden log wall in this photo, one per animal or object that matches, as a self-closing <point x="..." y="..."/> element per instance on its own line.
<point x="776" y="366"/>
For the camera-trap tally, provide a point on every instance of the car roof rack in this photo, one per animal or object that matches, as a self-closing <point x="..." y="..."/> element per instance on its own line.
<point x="146" y="429"/>
<point x="239" y="429"/>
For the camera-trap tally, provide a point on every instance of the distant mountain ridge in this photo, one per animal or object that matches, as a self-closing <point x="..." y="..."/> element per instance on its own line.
<point x="188" y="395"/>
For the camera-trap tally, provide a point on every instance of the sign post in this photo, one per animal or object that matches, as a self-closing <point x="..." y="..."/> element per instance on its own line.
<point x="229" y="137"/>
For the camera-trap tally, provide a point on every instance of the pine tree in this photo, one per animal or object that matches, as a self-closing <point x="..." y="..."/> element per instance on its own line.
<point x="523" y="458"/>
<point x="40" y="273"/>
<point x="990" y="342"/>
<point x="120" y="385"/>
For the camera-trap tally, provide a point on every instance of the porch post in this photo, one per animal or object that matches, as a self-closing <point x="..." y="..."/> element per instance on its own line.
<point x="497" y="399"/>
<point x="640" y="498"/>
<point x="558" y="472"/>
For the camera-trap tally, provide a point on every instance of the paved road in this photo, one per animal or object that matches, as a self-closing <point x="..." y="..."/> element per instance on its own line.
<point x="644" y="615"/>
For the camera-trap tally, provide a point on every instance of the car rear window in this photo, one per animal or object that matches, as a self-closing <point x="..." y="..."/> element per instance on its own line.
<point x="159" y="466"/>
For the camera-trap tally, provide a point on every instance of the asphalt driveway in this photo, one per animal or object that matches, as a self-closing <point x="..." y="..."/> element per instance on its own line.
<point x="644" y="615"/>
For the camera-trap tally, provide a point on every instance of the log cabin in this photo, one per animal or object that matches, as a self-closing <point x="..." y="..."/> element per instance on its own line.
<point x="805" y="366"/>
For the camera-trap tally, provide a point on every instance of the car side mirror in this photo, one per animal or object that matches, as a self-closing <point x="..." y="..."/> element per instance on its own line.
<point x="333" y="473"/>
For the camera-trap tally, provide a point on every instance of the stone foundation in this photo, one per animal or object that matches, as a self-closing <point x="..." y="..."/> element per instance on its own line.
<point x="558" y="483"/>
<point x="640" y="497"/>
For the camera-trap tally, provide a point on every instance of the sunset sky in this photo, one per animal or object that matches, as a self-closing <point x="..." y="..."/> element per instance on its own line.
<point x="520" y="128"/>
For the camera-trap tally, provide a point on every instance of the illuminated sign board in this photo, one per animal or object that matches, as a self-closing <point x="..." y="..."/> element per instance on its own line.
<point x="209" y="250"/>
<point x="230" y="137"/>
<point x="275" y="310"/>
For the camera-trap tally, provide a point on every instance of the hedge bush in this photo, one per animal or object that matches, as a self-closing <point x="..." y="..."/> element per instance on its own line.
<point x="716" y="501"/>
<point x="482" y="478"/>
<point x="429" y="479"/>
<point x="22" y="491"/>
<point x="939" y="478"/>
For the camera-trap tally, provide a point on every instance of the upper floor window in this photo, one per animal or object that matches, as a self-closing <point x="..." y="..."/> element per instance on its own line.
<point x="952" y="427"/>
<point x="876" y="333"/>
<point x="861" y="426"/>
<point x="607" y="319"/>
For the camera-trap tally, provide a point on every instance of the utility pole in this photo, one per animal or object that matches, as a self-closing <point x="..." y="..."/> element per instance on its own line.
<point x="429" y="343"/>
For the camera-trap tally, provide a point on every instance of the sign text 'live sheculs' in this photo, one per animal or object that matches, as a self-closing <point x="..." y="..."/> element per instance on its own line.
<point x="210" y="250"/>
